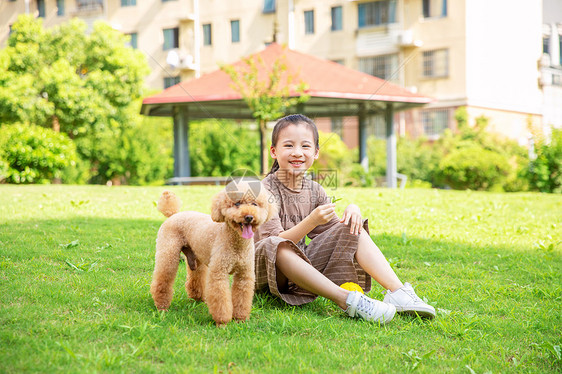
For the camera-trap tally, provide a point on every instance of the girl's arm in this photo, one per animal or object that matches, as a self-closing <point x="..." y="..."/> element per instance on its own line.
<point x="319" y="216"/>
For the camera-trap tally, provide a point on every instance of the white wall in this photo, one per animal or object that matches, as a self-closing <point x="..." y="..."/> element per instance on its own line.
<point x="504" y="43"/>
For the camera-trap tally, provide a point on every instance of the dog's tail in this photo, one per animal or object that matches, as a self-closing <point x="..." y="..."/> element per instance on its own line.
<point x="169" y="203"/>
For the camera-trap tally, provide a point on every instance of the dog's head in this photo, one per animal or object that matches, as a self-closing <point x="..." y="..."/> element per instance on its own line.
<point x="243" y="205"/>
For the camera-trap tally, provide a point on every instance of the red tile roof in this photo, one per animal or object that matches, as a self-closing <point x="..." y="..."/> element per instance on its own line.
<point x="324" y="79"/>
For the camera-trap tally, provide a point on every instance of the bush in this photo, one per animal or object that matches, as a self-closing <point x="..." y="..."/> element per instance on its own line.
<point x="34" y="154"/>
<point x="219" y="147"/>
<point x="475" y="168"/>
<point x="334" y="160"/>
<point x="545" y="171"/>
<point x="135" y="154"/>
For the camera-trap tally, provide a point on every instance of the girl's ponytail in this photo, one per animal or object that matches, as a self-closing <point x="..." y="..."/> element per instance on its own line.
<point x="274" y="167"/>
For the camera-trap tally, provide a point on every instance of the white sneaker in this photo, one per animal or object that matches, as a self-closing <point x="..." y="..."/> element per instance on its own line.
<point x="406" y="301"/>
<point x="359" y="305"/>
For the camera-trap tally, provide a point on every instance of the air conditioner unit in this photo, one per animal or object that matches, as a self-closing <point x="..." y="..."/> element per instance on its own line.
<point x="405" y="38"/>
<point x="180" y="59"/>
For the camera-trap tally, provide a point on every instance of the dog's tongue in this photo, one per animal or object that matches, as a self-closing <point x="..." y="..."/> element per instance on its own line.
<point x="247" y="232"/>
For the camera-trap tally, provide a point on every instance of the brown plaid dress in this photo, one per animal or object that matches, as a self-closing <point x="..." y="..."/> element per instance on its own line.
<point x="331" y="249"/>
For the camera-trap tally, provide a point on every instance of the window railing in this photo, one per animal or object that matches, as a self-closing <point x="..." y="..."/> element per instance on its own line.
<point x="88" y="5"/>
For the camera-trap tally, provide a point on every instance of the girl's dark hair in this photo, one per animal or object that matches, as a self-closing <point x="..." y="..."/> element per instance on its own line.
<point x="292" y="119"/>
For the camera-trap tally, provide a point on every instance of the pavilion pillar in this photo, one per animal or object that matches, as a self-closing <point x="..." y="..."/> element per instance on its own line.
<point x="390" y="147"/>
<point x="362" y="119"/>
<point x="181" y="142"/>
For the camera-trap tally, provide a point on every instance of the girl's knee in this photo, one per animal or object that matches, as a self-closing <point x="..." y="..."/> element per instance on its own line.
<point x="284" y="249"/>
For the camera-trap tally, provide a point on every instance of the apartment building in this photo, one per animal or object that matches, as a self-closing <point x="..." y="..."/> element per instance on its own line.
<point x="499" y="58"/>
<point x="475" y="53"/>
<point x="551" y="64"/>
<point x="165" y="30"/>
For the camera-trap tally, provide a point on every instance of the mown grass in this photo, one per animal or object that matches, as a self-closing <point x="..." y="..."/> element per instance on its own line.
<point x="76" y="264"/>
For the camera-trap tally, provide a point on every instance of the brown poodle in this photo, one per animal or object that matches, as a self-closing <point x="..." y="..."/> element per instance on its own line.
<point x="214" y="246"/>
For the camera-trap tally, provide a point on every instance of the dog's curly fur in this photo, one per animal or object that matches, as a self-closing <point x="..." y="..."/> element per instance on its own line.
<point x="214" y="248"/>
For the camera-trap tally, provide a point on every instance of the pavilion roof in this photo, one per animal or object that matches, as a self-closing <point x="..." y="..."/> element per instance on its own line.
<point x="333" y="89"/>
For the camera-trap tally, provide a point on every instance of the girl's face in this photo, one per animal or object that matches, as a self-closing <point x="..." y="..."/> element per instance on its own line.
<point x="295" y="150"/>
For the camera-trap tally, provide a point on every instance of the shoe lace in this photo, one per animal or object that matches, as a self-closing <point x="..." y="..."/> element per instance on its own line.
<point x="412" y="294"/>
<point x="365" y="304"/>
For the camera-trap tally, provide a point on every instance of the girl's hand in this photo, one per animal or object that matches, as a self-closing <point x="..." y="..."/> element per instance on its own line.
<point x="352" y="216"/>
<point x="323" y="214"/>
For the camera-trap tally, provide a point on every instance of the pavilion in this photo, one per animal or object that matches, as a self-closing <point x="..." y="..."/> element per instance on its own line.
<point x="334" y="90"/>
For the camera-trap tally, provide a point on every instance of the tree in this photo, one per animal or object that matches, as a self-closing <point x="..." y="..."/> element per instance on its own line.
<point x="268" y="99"/>
<point x="79" y="84"/>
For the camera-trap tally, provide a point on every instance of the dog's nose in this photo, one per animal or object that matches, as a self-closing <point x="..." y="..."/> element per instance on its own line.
<point x="249" y="218"/>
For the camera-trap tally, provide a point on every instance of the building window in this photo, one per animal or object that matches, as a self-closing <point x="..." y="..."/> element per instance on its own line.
<point x="41" y="8"/>
<point x="376" y="13"/>
<point x="546" y="44"/>
<point x="133" y="40"/>
<point x="88" y="5"/>
<point x="128" y="2"/>
<point x="434" y="8"/>
<point x="235" y="31"/>
<point x="337" y="126"/>
<point x="171" y="38"/>
<point x="309" y="22"/>
<point x="436" y="63"/>
<point x="560" y="48"/>
<point x="207" y="35"/>
<point x="337" y="18"/>
<point x="60" y="8"/>
<point x="434" y="121"/>
<point x="269" y="6"/>
<point x="171" y="81"/>
<point x="164" y="1"/>
<point x="340" y="61"/>
<point x="384" y="67"/>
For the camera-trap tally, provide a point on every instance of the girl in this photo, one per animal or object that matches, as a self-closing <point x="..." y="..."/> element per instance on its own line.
<point x="340" y="250"/>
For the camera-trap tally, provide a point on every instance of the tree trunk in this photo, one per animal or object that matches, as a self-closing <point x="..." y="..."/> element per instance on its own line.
<point x="56" y="124"/>
<point x="263" y="148"/>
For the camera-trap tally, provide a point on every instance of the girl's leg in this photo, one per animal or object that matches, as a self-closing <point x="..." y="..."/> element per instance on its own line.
<point x="371" y="259"/>
<point x="292" y="266"/>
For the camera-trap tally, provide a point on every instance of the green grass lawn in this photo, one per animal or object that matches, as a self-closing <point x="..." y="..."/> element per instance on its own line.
<point x="76" y="264"/>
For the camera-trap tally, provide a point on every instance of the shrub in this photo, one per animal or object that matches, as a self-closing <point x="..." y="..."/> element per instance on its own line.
<point x="34" y="154"/>
<point x="545" y="171"/>
<point x="218" y="147"/>
<point x="334" y="159"/>
<point x="135" y="154"/>
<point x="475" y="168"/>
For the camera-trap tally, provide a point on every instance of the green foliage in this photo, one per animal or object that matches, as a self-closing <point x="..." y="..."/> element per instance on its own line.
<point x="86" y="85"/>
<point x="545" y="171"/>
<point x="217" y="148"/>
<point x="269" y="98"/>
<point x="32" y="154"/>
<point x="474" y="168"/>
<point x="485" y="160"/>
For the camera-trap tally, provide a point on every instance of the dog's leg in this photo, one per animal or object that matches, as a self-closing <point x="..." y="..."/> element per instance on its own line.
<point x="243" y="293"/>
<point x="217" y="290"/>
<point x="195" y="283"/>
<point x="165" y="270"/>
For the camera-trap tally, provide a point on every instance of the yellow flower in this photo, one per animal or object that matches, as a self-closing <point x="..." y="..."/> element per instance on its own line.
<point x="350" y="286"/>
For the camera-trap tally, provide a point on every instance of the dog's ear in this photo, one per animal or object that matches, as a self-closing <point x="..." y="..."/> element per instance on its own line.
<point x="219" y="202"/>
<point x="271" y="206"/>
